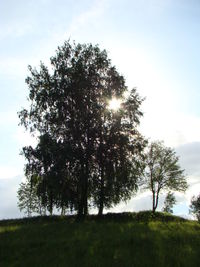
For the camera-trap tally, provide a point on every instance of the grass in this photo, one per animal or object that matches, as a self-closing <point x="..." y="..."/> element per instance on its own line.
<point x="124" y="240"/>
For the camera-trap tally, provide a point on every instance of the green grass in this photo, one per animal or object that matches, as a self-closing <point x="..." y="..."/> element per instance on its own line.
<point x="124" y="240"/>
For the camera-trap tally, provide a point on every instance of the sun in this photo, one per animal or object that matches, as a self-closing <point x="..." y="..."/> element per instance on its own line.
<point x="114" y="104"/>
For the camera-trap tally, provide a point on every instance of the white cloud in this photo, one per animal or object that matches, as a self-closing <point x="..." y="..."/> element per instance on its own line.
<point x="17" y="29"/>
<point x="190" y="157"/>
<point x="90" y="16"/>
<point x="175" y="129"/>
<point x="46" y="46"/>
<point x="8" y="172"/>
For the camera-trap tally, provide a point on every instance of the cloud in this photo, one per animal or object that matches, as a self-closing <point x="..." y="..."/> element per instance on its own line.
<point x="190" y="157"/>
<point x="90" y="16"/>
<point x="15" y="30"/>
<point x="8" y="172"/>
<point x="174" y="128"/>
<point x="189" y="160"/>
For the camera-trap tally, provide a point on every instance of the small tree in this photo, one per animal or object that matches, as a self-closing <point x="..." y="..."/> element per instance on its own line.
<point x="195" y="206"/>
<point x="28" y="199"/>
<point x="170" y="201"/>
<point x="162" y="171"/>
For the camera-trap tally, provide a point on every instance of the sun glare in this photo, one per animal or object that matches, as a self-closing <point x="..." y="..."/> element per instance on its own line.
<point x="114" y="104"/>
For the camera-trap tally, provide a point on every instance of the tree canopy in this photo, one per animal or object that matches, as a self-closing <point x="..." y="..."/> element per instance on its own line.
<point x="87" y="154"/>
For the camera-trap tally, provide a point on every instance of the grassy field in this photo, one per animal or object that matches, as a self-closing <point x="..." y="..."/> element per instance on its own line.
<point x="124" y="240"/>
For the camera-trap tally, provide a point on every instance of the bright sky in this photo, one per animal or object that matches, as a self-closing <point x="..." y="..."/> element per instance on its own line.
<point x="153" y="43"/>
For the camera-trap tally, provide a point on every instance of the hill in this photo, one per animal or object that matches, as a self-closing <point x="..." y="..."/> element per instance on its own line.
<point x="123" y="240"/>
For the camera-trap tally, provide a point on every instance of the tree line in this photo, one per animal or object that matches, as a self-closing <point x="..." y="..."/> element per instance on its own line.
<point x="87" y="154"/>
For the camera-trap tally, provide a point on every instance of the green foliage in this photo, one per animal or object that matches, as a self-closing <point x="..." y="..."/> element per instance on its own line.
<point x="101" y="243"/>
<point x="170" y="201"/>
<point x="195" y="206"/>
<point x="28" y="200"/>
<point x="162" y="171"/>
<point x="86" y="153"/>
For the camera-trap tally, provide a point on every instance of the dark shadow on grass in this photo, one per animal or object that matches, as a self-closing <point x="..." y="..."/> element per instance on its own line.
<point x="113" y="240"/>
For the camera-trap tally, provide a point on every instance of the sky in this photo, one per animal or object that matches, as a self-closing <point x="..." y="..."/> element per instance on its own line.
<point x="154" y="44"/>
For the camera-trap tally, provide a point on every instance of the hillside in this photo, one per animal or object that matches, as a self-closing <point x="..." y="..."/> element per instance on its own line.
<point x="124" y="240"/>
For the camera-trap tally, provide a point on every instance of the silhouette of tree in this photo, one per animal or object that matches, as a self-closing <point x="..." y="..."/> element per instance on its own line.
<point x="28" y="199"/>
<point x="162" y="171"/>
<point x="85" y="151"/>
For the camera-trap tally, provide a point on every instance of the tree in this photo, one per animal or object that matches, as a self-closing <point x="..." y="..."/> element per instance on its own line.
<point x="170" y="201"/>
<point x="162" y="171"/>
<point x="28" y="199"/>
<point x="47" y="172"/>
<point x="119" y="159"/>
<point x="195" y="206"/>
<point x="84" y="150"/>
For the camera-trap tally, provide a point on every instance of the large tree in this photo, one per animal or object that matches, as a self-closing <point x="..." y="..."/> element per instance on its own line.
<point x="162" y="171"/>
<point x="84" y="149"/>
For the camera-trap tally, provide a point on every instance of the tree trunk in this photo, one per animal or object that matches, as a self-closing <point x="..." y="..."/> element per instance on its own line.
<point x="51" y="204"/>
<point x="81" y="192"/>
<point x="153" y="206"/>
<point x="101" y="201"/>
<point x="80" y="209"/>
<point x="85" y="207"/>
<point x="157" y="197"/>
<point x="63" y="210"/>
<point x="85" y="194"/>
<point x="101" y="198"/>
<point x="100" y="213"/>
<point x="155" y="200"/>
<point x="80" y="201"/>
<point x="40" y="207"/>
